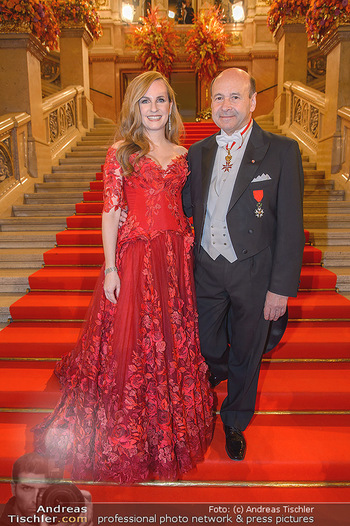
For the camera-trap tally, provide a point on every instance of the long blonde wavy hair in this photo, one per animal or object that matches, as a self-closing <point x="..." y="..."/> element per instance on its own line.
<point x="130" y="128"/>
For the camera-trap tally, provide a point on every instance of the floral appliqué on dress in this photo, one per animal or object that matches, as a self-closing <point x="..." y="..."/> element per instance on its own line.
<point x="136" y="402"/>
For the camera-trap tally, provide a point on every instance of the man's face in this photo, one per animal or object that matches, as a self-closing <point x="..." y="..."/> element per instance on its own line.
<point x="26" y="491"/>
<point x="231" y="105"/>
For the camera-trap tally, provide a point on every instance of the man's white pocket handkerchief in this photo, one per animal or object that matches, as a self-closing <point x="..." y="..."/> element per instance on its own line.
<point x="262" y="177"/>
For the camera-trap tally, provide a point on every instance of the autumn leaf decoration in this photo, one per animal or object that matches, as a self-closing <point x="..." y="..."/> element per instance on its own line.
<point x="35" y="15"/>
<point x="156" y="40"/>
<point x="206" y="43"/>
<point x="286" y="12"/>
<point x="323" y="18"/>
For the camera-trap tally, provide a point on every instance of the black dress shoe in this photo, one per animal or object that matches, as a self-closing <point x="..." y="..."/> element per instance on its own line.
<point x="235" y="443"/>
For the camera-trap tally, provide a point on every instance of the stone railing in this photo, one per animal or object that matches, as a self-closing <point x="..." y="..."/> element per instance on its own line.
<point x="305" y="109"/>
<point x="50" y="74"/>
<point x="63" y="117"/>
<point x="14" y="161"/>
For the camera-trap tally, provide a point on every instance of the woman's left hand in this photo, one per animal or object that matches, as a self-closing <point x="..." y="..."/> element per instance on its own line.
<point x="111" y="286"/>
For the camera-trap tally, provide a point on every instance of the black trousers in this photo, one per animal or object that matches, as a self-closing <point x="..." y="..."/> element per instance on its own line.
<point x="232" y="329"/>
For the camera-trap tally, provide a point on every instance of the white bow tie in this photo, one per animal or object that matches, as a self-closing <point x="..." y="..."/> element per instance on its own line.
<point x="233" y="142"/>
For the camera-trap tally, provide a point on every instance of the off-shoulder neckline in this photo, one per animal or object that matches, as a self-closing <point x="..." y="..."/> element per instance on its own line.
<point x="154" y="161"/>
<point x="172" y="161"/>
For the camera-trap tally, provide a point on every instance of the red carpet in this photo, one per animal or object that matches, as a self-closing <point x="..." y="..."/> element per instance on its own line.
<point x="298" y="441"/>
<point x="282" y="387"/>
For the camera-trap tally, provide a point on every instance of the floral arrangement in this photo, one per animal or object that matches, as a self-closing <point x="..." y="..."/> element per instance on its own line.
<point x="156" y="40"/>
<point x="71" y="13"/>
<point x="35" y="16"/>
<point x="206" y="43"/>
<point x="323" y="18"/>
<point x="286" y="11"/>
<point x="204" y="115"/>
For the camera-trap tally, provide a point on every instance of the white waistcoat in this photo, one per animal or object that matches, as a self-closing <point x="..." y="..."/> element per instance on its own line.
<point x="216" y="238"/>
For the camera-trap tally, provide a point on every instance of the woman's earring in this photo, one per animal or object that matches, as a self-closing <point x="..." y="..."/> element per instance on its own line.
<point x="169" y="122"/>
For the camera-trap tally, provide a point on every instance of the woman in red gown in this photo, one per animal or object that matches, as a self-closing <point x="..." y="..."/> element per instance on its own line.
<point x="136" y="402"/>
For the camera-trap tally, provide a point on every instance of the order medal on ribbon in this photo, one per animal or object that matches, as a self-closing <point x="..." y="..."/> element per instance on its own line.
<point x="226" y="167"/>
<point x="258" y="196"/>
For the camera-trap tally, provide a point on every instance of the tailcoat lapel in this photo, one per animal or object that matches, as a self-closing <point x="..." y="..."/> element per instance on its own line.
<point x="208" y="159"/>
<point x="254" y="154"/>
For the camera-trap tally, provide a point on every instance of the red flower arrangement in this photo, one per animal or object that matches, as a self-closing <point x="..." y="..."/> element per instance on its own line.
<point x="206" y="43"/>
<point x="73" y="13"/>
<point x="286" y="12"/>
<point x="35" y="16"/>
<point x="156" y="40"/>
<point x="323" y="18"/>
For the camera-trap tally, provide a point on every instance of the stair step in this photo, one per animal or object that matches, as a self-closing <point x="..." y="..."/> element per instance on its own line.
<point x="82" y="160"/>
<point x="89" y="208"/>
<point x="329" y="236"/>
<point x="325" y="207"/>
<point x="56" y="198"/>
<point x="79" y="167"/>
<point x="15" y="281"/>
<point x="84" y="278"/>
<point x="92" y="237"/>
<point x="280" y="448"/>
<point x="321" y="184"/>
<point x="309" y="166"/>
<point x="282" y="387"/>
<point x="108" y="128"/>
<point x="324" y="221"/>
<point x="343" y="278"/>
<point x="98" y="132"/>
<point x="336" y="256"/>
<point x="82" y="255"/>
<point x="313" y="305"/>
<point x="302" y="340"/>
<point x="88" y="148"/>
<point x="92" y="141"/>
<point x="40" y="239"/>
<point x="85" y="156"/>
<point x="29" y="210"/>
<point x="21" y="257"/>
<point x="90" y="221"/>
<point x="332" y="195"/>
<point x="63" y="186"/>
<point x="319" y="305"/>
<point x="6" y="301"/>
<point x="314" y="174"/>
<point x="69" y="177"/>
<point x="15" y="224"/>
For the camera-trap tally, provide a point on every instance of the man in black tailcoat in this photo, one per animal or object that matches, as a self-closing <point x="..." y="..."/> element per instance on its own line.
<point x="244" y="192"/>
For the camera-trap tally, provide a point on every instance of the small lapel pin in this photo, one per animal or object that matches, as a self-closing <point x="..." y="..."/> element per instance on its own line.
<point x="253" y="161"/>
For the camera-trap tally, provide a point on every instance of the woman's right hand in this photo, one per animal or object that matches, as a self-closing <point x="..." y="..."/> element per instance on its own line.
<point x="123" y="217"/>
<point x="111" y="286"/>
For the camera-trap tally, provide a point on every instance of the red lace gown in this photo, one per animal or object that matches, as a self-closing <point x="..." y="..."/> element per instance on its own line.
<point x="136" y="402"/>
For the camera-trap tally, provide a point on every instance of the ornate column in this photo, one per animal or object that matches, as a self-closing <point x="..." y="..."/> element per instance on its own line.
<point x="337" y="49"/>
<point x="74" y="61"/>
<point x="292" y="62"/>
<point x="20" y="91"/>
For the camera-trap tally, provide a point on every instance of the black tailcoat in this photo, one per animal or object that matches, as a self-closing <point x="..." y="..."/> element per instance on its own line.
<point x="271" y="170"/>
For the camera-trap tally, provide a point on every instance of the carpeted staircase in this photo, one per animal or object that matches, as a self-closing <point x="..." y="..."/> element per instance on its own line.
<point x="32" y="229"/>
<point x="298" y="441"/>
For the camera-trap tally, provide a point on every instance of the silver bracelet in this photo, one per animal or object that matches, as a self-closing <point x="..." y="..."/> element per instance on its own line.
<point x="110" y="269"/>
